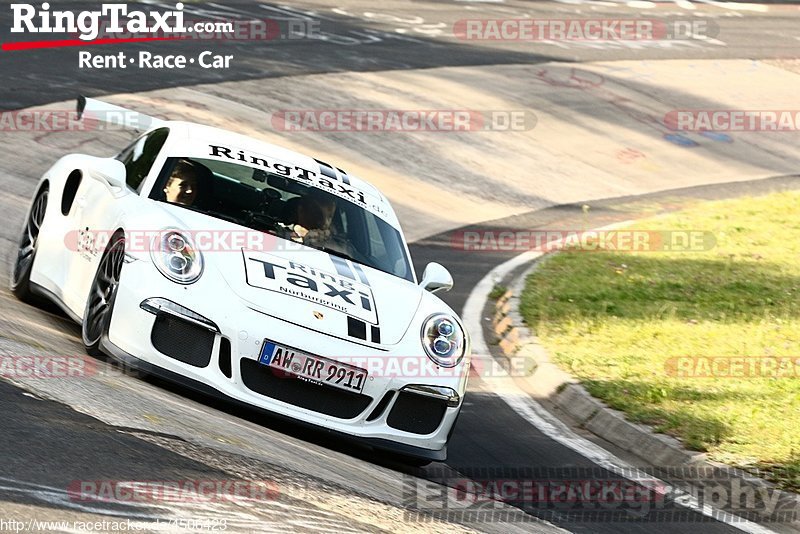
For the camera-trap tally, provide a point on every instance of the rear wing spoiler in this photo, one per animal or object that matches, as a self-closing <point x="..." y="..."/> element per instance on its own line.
<point x="110" y="114"/>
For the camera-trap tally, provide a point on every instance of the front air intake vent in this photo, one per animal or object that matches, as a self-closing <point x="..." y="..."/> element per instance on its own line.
<point x="417" y="414"/>
<point x="225" y="357"/>
<point x="318" y="398"/>
<point x="381" y="407"/>
<point x="182" y="340"/>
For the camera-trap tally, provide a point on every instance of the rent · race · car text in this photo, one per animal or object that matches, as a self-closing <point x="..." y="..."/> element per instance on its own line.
<point x="148" y="60"/>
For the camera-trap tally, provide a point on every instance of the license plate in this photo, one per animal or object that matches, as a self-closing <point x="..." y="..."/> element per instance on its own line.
<point x="312" y="368"/>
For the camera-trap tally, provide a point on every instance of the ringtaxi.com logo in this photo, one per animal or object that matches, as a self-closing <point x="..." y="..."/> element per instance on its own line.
<point x="87" y="24"/>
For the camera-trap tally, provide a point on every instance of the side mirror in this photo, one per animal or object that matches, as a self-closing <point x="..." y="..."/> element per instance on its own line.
<point x="436" y="278"/>
<point x="109" y="170"/>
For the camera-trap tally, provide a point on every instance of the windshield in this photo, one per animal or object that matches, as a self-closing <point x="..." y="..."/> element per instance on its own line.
<point x="285" y="208"/>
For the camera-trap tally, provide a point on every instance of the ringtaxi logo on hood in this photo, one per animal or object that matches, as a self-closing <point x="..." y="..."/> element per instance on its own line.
<point x="340" y="293"/>
<point x="116" y="19"/>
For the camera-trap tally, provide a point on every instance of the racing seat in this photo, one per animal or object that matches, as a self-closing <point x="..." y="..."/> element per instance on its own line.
<point x="289" y="210"/>
<point x="206" y="199"/>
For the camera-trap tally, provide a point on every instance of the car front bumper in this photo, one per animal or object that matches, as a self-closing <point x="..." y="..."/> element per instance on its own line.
<point x="387" y="402"/>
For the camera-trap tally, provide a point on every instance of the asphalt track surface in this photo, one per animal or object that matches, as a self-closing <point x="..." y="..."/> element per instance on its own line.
<point x="49" y="444"/>
<point x="347" y="40"/>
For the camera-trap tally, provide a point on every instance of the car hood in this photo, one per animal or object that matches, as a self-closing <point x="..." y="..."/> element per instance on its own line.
<point x="302" y="285"/>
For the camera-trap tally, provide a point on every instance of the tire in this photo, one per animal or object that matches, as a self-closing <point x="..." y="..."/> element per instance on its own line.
<point x="100" y="303"/>
<point x="26" y="251"/>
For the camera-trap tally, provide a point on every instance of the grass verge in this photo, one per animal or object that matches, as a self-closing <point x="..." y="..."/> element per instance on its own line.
<point x="658" y="334"/>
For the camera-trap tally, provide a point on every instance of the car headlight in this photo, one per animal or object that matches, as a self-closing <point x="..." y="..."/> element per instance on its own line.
<point x="443" y="340"/>
<point x="176" y="257"/>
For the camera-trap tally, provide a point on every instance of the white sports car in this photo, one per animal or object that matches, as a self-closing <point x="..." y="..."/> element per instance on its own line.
<point x="244" y="269"/>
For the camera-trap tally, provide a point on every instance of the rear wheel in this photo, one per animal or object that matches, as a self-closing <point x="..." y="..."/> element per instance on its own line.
<point x="97" y="316"/>
<point x="21" y="276"/>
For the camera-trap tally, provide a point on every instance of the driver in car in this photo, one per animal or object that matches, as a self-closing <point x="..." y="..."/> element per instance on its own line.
<point x="182" y="184"/>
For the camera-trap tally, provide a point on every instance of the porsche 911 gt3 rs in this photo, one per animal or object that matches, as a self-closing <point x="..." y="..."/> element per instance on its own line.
<point x="253" y="272"/>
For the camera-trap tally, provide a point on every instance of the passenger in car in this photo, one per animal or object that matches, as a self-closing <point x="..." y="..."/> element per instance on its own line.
<point x="310" y="218"/>
<point x="315" y="212"/>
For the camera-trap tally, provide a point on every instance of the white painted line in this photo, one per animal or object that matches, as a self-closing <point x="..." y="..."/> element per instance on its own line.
<point x="535" y="414"/>
<point x="641" y="4"/>
<point x="737" y="6"/>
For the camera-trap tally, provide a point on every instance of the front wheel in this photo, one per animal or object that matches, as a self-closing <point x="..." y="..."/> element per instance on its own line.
<point x="99" y="305"/>
<point x="26" y="252"/>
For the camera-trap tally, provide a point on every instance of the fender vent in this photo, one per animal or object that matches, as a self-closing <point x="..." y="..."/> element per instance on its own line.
<point x="70" y="190"/>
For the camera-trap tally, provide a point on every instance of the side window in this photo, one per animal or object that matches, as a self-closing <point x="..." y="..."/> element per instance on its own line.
<point x="140" y="156"/>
